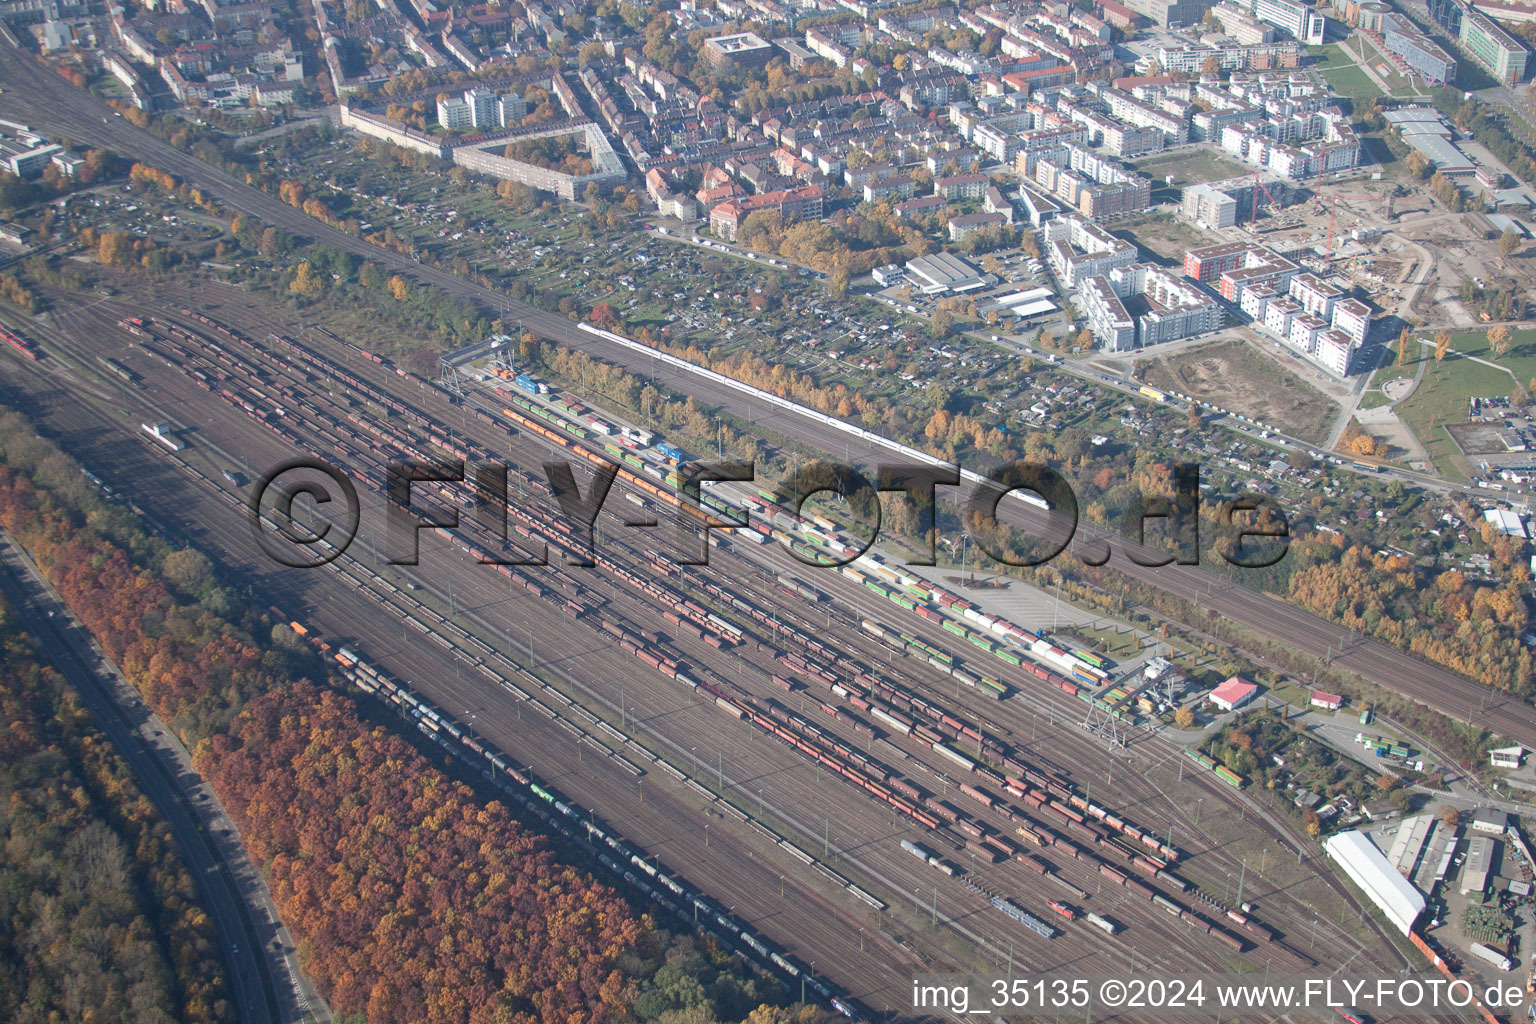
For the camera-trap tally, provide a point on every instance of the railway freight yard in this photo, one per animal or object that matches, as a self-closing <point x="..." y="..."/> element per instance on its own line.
<point x="846" y="777"/>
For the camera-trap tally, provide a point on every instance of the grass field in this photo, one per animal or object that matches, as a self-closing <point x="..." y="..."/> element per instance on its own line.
<point x="1373" y="397"/>
<point x="1191" y="167"/>
<point x="1232" y="374"/>
<point x="1164" y="235"/>
<point x="1331" y="56"/>
<point x="1118" y="645"/>
<point x="1352" y="82"/>
<point x="1441" y="398"/>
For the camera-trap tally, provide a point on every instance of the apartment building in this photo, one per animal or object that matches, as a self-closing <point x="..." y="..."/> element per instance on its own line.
<point x="1139" y="305"/>
<point x="1079" y="249"/>
<point x="802" y="203"/>
<point x="1302" y="21"/>
<point x="1423" y="56"/>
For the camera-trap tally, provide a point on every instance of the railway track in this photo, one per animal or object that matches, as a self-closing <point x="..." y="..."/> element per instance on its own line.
<point x="659" y="709"/>
<point x="77" y="115"/>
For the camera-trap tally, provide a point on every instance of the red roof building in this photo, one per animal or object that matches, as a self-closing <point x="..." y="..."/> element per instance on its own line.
<point x="1234" y="693"/>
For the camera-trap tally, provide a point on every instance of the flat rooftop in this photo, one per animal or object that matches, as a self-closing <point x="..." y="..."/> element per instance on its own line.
<point x="738" y="42"/>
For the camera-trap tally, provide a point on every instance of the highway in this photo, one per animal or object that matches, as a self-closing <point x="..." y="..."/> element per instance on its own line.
<point x="261" y="958"/>
<point x="43" y="99"/>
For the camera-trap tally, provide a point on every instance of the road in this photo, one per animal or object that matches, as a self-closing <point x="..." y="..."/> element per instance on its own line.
<point x="262" y="959"/>
<point x="34" y="94"/>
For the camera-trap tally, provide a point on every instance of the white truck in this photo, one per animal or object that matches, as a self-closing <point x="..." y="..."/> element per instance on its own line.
<point x="1492" y="956"/>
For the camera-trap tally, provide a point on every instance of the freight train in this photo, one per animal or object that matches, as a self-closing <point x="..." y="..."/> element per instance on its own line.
<point x="1089" y="825"/>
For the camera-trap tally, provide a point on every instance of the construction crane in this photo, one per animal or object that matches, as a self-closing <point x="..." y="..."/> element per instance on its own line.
<point x="1259" y="187"/>
<point x="1333" y="202"/>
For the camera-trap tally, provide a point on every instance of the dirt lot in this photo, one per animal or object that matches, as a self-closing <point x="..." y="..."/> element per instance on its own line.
<point x="1230" y="373"/>
<point x="1478" y="438"/>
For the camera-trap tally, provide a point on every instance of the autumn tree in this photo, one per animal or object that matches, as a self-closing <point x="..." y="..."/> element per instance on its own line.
<point x="1184" y="718"/>
<point x="113" y="249"/>
<point x="1509" y="242"/>
<point x="306" y="283"/>
<point x="1442" y="344"/>
<point x="941" y="324"/>
<point x="1498" y="339"/>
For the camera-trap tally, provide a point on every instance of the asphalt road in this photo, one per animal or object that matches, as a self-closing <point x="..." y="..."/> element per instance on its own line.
<point x="261" y="959"/>
<point x="34" y="94"/>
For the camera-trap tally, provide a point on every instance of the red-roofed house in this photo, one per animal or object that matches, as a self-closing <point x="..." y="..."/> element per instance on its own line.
<point x="1234" y="693"/>
<point x="1329" y="701"/>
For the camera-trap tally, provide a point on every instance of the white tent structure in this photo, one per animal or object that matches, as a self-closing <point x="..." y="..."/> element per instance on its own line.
<point x="1369" y="868"/>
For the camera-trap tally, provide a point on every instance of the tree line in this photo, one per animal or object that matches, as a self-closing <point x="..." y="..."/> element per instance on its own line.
<point x="413" y="899"/>
<point x="99" y="915"/>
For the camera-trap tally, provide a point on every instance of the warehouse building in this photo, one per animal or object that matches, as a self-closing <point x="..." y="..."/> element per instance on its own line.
<point x="1369" y="869"/>
<point x="943" y="272"/>
<point x="1408" y="847"/>
<point x="1482" y="858"/>
<point x="1507" y="757"/>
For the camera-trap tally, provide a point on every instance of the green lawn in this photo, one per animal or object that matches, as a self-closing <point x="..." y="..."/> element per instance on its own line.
<point x="1332" y="55"/>
<point x="1373" y="397"/>
<point x="1351" y="81"/>
<point x="1521" y="357"/>
<point x="1441" y="397"/>
<point x="1191" y="167"/>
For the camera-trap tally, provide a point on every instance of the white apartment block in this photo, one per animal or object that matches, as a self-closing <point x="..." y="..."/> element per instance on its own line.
<point x="455" y="115"/>
<point x="1129" y="110"/>
<point x="1315" y="295"/>
<point x="1299" y="19"/>
<point x="1256" y="300"/>
<point x="1079" y="249"/>
<point x="821" y="45"/>
<point x="1297" y="146"/>
<point x="1167" y="307"/>
<point x="1111" y="323"/>
<point x="1278" y="316"/>
<point x="1304" y="331"/>
<point x="1302" y="320"/>
<point x="1335" y="351"/>
<point x="1353" y="317"/>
